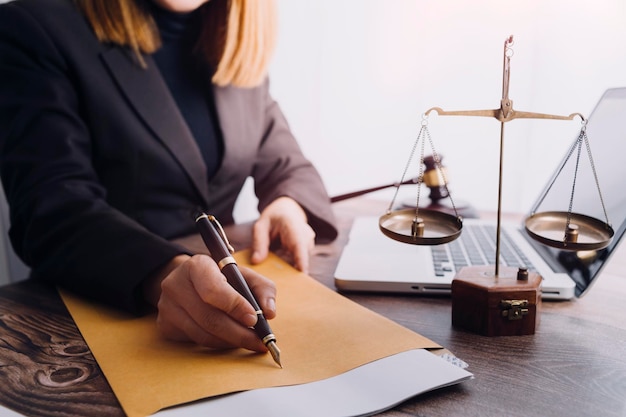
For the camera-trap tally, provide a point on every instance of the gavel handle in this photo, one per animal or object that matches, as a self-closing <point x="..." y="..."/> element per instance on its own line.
<point x="353" y="194"/>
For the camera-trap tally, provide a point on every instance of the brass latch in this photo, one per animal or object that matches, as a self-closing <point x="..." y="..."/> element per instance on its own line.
<point x="514" y="309"/>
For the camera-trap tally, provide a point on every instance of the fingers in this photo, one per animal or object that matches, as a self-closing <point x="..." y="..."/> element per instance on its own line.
<point x="264" y="291"/>
<point x="197" y="304"/>
<point x="260" y="240"/>
<point x="213" y="289"/>
<point x="178" y="325"/>
<point x="286" y="220"/>
<point x="300" y="248"/>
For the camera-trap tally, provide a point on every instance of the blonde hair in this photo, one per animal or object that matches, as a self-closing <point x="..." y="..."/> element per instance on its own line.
<point x="238" y="36"/>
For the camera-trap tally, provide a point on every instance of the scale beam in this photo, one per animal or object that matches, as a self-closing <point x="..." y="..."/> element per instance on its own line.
<point x="500" y="115"/>
<point x="505" y="113"/>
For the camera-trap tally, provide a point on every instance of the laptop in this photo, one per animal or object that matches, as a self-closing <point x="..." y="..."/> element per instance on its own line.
<point x="373" y="262"/>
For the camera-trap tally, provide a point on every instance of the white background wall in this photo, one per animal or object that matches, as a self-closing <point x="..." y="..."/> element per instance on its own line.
<point x="354" y="77"/>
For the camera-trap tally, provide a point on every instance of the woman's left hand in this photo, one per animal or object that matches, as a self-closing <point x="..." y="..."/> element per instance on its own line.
<point x="286" y="220"/>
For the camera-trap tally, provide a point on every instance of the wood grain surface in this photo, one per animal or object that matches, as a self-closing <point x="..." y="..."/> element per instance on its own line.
<point x="45" y="365"/>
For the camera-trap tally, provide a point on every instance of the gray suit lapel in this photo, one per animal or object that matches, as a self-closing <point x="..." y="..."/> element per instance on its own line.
<point x="231" y="103"/>
<point x="150" y="97"/>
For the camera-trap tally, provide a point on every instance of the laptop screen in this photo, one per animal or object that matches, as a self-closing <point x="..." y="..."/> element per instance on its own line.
<point x="606" y="132"/>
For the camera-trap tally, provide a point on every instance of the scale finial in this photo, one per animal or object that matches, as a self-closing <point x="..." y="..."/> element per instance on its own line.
<point x="506" y="104"/>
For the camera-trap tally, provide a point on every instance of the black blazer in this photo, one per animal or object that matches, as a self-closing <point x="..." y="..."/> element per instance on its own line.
<point x="99" y="166"/>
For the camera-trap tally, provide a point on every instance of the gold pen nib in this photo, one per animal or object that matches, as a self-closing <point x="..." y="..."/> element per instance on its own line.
<point x="274" y="351"/>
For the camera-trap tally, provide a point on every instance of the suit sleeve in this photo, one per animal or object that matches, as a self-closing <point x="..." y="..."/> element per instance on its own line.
<point x="61" y="223"/>
<point x="281" y="169"/>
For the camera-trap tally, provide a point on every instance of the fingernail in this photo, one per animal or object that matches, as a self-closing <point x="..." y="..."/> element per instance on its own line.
<point x="271" y="304"/>
<point x="250" y="320"/>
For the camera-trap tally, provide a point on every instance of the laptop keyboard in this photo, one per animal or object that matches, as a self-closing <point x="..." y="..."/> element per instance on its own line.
<point x="477" y="246"/>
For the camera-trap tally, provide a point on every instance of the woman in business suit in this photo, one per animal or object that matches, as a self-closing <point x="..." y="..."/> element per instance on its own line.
<point x="119" y="119"/>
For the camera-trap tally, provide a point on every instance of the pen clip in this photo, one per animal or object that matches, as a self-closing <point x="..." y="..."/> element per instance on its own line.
<point x="221" y="232"/>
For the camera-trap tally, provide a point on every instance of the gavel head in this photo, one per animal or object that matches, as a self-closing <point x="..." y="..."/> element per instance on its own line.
<point x="435" y="178"/>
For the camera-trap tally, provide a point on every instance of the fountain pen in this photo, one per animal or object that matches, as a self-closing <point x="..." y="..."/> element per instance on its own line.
<point x="216" y="241"/>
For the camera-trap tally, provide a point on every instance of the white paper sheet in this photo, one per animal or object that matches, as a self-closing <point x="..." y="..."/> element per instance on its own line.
<point x="363" y="391"/>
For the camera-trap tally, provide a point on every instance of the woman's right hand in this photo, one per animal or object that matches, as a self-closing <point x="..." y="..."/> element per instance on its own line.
<point x="196" y="303"/>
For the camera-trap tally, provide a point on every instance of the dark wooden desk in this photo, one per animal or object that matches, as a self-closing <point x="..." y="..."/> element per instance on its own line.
<point x="575" y="365"/>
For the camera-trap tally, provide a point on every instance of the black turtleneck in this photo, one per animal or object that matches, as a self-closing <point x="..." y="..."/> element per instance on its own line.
<point x="189" y="80"/>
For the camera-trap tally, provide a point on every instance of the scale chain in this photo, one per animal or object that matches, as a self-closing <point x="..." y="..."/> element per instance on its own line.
<point x="441" y="171"/>
<point x="579" y="143"/>
<point x="406" y="168"/>
<point x="595" y="175"/>
<point x="423" y="134"/>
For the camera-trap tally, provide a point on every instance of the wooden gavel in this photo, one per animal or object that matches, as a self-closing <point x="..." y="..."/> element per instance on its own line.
<point x="431" y="178"/>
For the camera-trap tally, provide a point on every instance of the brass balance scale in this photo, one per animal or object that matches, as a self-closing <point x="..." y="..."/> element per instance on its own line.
<point x="486" y="299"/>
<point x="559" y="229"/>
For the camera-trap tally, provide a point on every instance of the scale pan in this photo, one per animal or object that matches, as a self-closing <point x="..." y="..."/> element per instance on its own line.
<point x="549" y="228"/>
<point x="438" y="227"/>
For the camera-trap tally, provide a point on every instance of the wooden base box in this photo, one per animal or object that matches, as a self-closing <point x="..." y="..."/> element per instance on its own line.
<point x="507" y="305"/>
